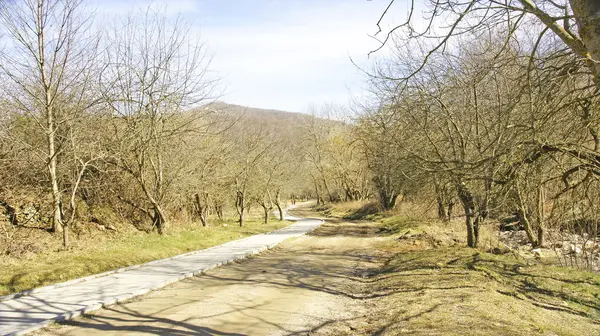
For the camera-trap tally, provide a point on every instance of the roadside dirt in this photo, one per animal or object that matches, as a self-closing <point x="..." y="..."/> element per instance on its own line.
<point x="308" y="285"/>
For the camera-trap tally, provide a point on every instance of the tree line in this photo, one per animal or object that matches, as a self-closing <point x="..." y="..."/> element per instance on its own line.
<point x="496" y="113"/>
<point x="119" y="119"/>
<point x="114" y="116"/>
<point x="491" y="117"/>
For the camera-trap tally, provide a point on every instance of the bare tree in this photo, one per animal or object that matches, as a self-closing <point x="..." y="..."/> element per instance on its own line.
<point x="156" y="71"/>
<point x="251" y="147"/>
<point x="49" y="62"/>
<point x="574" y="22"/>
<point x="384" y="138"/>
<point x="205" y="181"/>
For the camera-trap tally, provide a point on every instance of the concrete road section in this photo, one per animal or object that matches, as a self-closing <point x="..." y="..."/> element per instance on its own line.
<point x="62" y="302"/>
<point x="305" y="286"/>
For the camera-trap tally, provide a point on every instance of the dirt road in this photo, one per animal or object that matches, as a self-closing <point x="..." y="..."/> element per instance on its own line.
<point x="362" y="279"/>
<point x="305" y="285"/>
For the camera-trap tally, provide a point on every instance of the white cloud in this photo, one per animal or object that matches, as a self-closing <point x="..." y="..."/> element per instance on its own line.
<point x="281" y="54"/>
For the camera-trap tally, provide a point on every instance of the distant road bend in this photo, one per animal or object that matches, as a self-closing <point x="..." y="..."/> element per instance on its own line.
<point x="64" y="301"/>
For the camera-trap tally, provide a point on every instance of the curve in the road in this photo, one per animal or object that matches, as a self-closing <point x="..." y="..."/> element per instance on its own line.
<point x="36" y="309"/>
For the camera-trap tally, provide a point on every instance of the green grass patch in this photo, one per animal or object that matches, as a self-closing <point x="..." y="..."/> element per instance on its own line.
<point x="399" y="224"/>
<point x="122" y="250"/>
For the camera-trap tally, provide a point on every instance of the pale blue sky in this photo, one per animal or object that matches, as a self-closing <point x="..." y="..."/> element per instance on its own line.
<point x="284" y="54"/>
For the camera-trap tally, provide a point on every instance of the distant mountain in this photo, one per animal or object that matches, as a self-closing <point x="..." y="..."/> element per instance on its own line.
<point x="282" y="122"/>
<point x="257" y="114"/>
<point x="268" y="116"/>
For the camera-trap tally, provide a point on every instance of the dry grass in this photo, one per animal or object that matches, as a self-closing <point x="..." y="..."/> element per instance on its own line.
<point x="354" y="210"/>
<point x="460" y="291"/>
<point x="430" y="284"/>
<point x="96" y="252"/>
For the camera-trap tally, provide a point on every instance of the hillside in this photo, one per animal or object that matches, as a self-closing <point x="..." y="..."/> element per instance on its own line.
<point x="258" y="115"/>
<point x="255" y="111"/>
<point x="109" y="219"/>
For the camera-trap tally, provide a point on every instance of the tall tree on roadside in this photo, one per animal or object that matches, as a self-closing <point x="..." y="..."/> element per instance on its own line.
<point x="251" y="145"/>
<point x="48" y="65"/>
<point x="156" y="71"/>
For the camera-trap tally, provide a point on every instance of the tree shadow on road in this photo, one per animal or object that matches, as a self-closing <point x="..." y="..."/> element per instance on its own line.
<point x="445" y="291"/>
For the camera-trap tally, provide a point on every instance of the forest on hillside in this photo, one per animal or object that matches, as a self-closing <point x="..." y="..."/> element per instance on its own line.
<point x="492" y="118"/>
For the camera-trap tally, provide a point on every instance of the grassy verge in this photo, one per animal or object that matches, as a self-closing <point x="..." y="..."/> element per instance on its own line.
<point x="461" y="291"/>
<point x="103" y="254"/>
<point x="429" y="283"/>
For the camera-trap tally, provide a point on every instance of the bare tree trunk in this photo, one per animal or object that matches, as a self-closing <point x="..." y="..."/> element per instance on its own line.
<point x="317" y="191"/>
<point x="159" y="219"/>
<point x="387" y="195"/>
<point x="278" y="204"/>
<point x="66" y="237"/>
<point x="524" y="220"/>
<point x="393" y="201"/>
<point x="267" y="204"/>
<point x="219" y="211"/>
<point x="441" y="207"/>
<point x="540" y="215"/>
<point x="201" y="210"/>
<point x="587" y="15"/>
<point x="280" y="210"/>
<point x="266" y="210"/>
<point x="240" y="207"/>
<point x="204" y="219"/>
<point x="470" y="232"/>
<point x="444" y="202"/>
<point x="388" y="200"/>
<point x="349" y="194"/>
<point x="523" y="216"/>
<point x="472" y="219"/>
<point x="197" y="205"/>
<point x="242" y="218"/>
<point x="57" y="220"/>
<point x="319" y="198"/>
<point x="476" y="225"/>
<point x="326" y="186"/>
